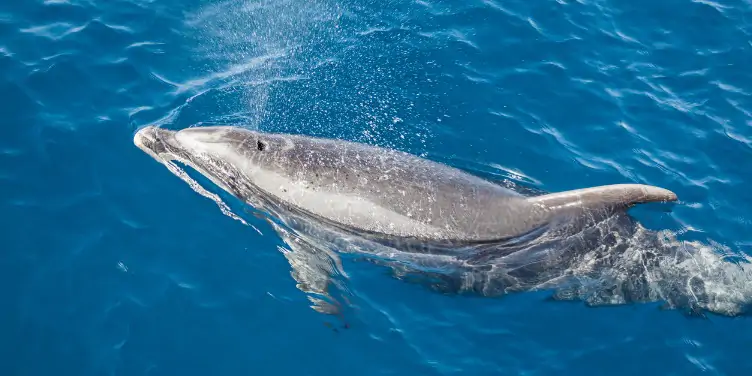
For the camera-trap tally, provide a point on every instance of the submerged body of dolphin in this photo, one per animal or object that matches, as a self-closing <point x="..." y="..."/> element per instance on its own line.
<point x="431" y="219"/>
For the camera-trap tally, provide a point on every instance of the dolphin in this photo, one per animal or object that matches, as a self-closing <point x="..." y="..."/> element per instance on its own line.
<point x="442" y="225"/>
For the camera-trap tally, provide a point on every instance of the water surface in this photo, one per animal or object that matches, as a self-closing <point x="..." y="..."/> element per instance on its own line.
<point x="111" y="265"/>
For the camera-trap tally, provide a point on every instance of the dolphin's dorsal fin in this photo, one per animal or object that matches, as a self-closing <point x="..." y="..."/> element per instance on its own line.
<point x="616" y="196"/>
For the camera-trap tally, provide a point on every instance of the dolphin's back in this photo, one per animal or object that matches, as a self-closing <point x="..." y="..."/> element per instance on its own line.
<point x="450" y="203"/>
<point x="376" y="190"/>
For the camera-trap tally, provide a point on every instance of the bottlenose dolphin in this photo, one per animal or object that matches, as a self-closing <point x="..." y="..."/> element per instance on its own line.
<point x="424" y="219"/>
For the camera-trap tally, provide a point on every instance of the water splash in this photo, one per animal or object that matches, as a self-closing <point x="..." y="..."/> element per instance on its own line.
<point x="657" y="267"/>
<point x="309" y="67"/>
<point x="254" y="44"/>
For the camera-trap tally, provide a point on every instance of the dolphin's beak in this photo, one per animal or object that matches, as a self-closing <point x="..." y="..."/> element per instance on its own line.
<point x="153" y="140"/>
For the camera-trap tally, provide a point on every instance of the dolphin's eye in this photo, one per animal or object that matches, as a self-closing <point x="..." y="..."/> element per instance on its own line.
<point x="260" y="146"/>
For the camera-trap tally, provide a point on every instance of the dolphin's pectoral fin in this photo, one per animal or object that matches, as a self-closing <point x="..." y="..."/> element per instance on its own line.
<point x="616" y="196"/>
<point x="315" y="271"/>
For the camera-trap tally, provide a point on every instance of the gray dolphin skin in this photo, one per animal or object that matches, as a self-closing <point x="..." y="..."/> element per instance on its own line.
<point x="426" y="221"/>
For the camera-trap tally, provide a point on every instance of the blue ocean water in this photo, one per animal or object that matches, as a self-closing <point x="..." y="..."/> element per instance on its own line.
<point x="110" y="265"/>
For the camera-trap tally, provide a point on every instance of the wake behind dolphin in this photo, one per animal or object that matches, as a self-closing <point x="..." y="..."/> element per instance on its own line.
<point x="441" y="224"/>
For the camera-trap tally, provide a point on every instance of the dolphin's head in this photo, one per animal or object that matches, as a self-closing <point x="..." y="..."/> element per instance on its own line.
<point x="154" y="141"/>
<point x="235" y="158"/>
<point x="217" y="142"/>
<point x="204" y="149"/>
<point x="207" y="147"/>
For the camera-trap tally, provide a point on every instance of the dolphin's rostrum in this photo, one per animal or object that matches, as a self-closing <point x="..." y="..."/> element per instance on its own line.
<point x="426" y="219"/>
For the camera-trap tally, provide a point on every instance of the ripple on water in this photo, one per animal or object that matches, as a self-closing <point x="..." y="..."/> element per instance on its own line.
<point x="54" y="31"/>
